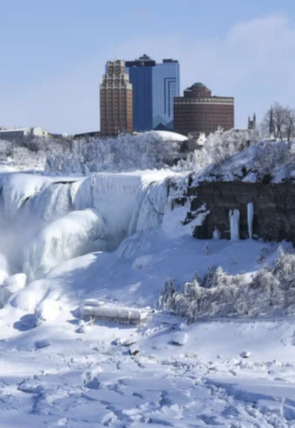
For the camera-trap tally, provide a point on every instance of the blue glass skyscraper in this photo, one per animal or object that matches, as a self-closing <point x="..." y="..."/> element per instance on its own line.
<point x="165" y="88"/>
<point x="154" y="87"/>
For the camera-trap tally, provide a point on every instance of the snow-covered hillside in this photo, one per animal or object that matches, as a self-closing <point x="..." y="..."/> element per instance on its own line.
<point x="113" y="240"/>
<point x="239" y="155"/>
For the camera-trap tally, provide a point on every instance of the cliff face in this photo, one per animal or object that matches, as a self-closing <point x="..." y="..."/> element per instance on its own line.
<point x="274" y="209"/>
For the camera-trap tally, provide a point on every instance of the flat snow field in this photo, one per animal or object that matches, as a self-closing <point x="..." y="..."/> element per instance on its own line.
<point x="78" y="374"/>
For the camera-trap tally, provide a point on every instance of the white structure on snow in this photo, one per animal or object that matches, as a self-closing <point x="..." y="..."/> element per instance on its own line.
<point x="9" y="134"/>
<point x="115" y="314"/>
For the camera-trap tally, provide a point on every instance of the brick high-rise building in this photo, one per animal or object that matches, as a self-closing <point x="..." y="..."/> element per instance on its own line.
<point x="116" y="103"/>
<point x="200" y="112"/>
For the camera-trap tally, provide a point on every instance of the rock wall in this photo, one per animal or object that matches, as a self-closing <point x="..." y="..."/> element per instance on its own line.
<point x="274" y="209"/>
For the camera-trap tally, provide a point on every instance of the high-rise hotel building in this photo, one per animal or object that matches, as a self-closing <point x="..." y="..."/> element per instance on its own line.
<point x="154" y="88"/>
<point x="200" y="112"/>
<point x="116" y="100"/>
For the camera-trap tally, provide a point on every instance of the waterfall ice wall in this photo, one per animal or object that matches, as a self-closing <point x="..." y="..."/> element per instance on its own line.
<point x="47" y="220"/>
<point x="27" y="204"/>
<point x="114" y="196"/>
<point x="63" y="239"/>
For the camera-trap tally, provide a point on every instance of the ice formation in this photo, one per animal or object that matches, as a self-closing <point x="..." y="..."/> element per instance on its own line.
<point x="63" y="239"/>
<point x="216" y="233"/>
<point x="234" y="218"/>
<point x="250" y="215"/>
<point x="48" y="220"/>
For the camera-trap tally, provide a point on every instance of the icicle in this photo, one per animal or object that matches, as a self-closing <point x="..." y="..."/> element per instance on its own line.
<point x="216" y="233"/>
<point x="250" y="215"/>
<point x="234" y="219"/>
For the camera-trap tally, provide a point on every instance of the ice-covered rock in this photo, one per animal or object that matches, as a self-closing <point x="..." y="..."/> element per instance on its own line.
<point x="91" y="378"/>
<point x="133" y="349"/>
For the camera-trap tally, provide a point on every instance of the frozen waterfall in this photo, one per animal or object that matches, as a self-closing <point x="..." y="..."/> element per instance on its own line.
<point x="47" y="220"/>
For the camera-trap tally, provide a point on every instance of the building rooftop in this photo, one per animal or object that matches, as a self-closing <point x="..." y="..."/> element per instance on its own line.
<point x="169" y="60"/>
<point x="144" y="57"/>
<point x="13" y="130"/>
<point x="198" y="85"/>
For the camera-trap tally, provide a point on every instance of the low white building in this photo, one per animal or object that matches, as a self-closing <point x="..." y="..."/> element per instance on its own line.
<point x="118" y="314"/>
<point x="10" y="134"/>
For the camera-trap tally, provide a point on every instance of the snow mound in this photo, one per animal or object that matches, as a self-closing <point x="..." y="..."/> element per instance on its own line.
<point x="47" y="310"/>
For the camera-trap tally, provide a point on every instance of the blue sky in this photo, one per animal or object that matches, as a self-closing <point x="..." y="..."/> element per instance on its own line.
<point x="53" y="53"/>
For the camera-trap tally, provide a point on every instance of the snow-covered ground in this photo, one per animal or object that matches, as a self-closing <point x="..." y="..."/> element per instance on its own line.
<point x="66" y="373"/>
<point x="112" y="240"/>
<point x="60" y="370"/>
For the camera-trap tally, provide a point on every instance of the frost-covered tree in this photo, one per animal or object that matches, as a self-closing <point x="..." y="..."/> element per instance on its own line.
<point x="123" y="153"/>
<point x="32" y="151"/>
<point x="270" y="292"/>
<point x="218" y="147"/>
<point x="279" y="122"/>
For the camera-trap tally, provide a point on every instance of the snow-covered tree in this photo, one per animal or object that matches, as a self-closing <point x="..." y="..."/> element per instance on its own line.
<point x="218" y="147"/>
<point x="124" y="153"/>
<point x="279" y="122"/>
<point x="271" y="292"/>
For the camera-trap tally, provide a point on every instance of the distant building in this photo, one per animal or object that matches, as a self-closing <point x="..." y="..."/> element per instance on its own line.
<point x="10" y="134"/>
<point x="252" y="122"/>
<point x="154" y="88"/>
<point x="116" y="112"/>
<point x="88" y="135"/>
<point x="166" y="83"/>
<point x="197" y="111"/>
